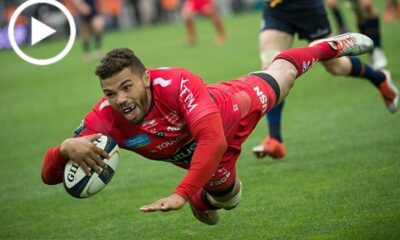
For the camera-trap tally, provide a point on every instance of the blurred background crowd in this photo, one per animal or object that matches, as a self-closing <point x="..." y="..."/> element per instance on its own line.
<point x="117" y="14"/>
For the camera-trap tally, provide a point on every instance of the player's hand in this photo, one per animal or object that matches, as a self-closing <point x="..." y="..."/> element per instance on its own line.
<point x="83" y="151"/>
<point x="173" y="202"/>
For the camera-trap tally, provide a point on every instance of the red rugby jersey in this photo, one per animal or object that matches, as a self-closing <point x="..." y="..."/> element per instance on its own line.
<point x="180" y="100"/>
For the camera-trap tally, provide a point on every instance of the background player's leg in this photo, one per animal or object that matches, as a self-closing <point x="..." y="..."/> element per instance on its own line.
<point x="369" y="25"/>
<point x="339" y="19"/>
<point x="381" y="79"/>
<point x="271" y="43"/>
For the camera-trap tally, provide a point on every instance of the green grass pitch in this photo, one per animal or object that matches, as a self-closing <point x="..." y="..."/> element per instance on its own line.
<point x="340" y="179"/>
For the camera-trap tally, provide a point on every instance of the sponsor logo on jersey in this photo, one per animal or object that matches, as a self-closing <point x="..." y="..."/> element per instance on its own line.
<point x="222" y="175"/>
<point x="160" y="134"/>
<point x="173" y="128"/>
<point x="235" y="107"/>
<point x="149" y="123"/>
<point x="187" y="97"/>
<point x="137" y="141"/>
<point x="308" y="64"/>
<point x="168" y="143"/>
<point x="162" y="82"/>
<point x="262" y="97"/>
<point x="184" y="154"/>
<point x="171" y="117"/>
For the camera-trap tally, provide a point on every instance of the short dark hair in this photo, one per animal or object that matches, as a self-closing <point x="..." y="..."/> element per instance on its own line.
<point x="118" y="59"/>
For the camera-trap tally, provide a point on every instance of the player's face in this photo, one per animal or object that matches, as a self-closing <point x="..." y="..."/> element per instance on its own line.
<point x="129" y="94"/>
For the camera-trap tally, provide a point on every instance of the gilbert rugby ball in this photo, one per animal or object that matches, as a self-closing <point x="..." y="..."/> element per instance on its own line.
<point x="78" y="184"/>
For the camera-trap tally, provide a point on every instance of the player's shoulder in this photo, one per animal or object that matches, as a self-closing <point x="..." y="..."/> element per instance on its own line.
<point x="102" y="109"/>
<point x="168" y="72"/>
<point x="169" y="77"/>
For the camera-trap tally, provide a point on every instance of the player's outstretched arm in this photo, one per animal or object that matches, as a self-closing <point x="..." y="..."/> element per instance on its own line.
<point x="211" y="145"/>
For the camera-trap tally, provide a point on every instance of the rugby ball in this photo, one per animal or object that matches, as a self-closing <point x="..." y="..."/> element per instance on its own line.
<point x="78" y="184"/>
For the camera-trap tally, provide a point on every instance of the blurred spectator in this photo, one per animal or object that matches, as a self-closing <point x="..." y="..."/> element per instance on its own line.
<point x="137" y="13"/>
<point x="20" y="27"/>
<point x="113" y="10"/>
<point x="171" y="8"/>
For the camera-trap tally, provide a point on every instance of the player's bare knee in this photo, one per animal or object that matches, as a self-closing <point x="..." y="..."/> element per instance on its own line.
<point x="230" y="200"/>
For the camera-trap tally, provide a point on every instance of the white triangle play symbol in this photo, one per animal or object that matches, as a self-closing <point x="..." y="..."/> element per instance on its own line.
<point x="39" y="31"/>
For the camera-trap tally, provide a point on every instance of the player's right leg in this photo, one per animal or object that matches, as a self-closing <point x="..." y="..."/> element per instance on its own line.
<point x="205" y="203"/>
<point x="292" y="63"/>
<point x="223" y="191"/>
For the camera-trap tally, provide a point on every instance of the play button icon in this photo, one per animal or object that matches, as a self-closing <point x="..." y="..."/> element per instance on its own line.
<point x="39" y="31"/>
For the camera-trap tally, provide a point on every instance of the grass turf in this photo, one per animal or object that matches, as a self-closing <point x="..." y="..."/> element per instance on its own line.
<point x="340" y="179"/>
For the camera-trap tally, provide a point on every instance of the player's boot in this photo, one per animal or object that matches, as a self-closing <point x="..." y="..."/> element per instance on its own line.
<point x="348" y="44"/>
<point x="271" y="147"/>
<point x="209" y="217"/>
<point x="389" y="92"/>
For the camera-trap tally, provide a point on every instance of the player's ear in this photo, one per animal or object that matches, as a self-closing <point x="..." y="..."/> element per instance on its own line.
<point x="146" y="79"/>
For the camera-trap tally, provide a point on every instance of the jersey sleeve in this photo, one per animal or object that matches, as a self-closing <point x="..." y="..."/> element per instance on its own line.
<point x="194" y="100"/>
<point x="211" y="145"/>
<point x="93" y="122"/>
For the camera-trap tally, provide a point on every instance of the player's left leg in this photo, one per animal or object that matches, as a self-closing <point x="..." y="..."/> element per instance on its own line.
<point x="222" y="191"/>
<point x="205" y="203"/>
